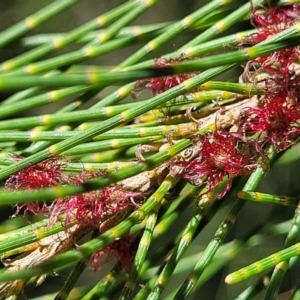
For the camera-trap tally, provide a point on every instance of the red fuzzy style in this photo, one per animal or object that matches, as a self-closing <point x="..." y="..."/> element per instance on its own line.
<point x="162" y="84"/>
<point x="93" y="208"/>
<point x="223" y="154"/>
<point x="272" y="20"/>
<point x="278" y="120"/>
<point x="269" y="22"/>
<point x="42" y="175"/>
<point x="122" y="249"/>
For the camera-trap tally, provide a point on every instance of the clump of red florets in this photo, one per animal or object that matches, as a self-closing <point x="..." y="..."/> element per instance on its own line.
<point x="271" y="20"/>
<point x="123" y="249"/>
<point x="276" y="122"/>
<point x="45" y="174"/>
<point x="98" y="210"/>
<point x="162" y="84"/>
<point x="95" y="208"/>
<point x="87" y="209"/>
<point x="222" y="155"/>
<point x="268" y="22"/>
<point x="102" y="208"/>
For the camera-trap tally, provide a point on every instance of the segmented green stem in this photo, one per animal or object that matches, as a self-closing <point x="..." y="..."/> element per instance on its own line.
<point x="110" y="144"/>
<point x="176" y="207"/>
<point x="107" y="167"/>
<point x="281" y="269"/>
<point x="186" y="239"/>
<point x="129" y="31"/>
<point x="263" y="265"/>
<point x="263" y="281"/>
<point x="61" y="42"/>
<point x="178" y="131"/>
<point x="40" y="100"/>
<point x="105" y="112"/>
<point x="71" y="281"/>
<point x="90" y="51"/>
<point x="113" y="122"/>
<point x="183" y="243"/>
<point x="38" y="146"/>
<point x="25" y="237"/>
<point x="197" y="50"/>
<point x="219" y="237"/>
<point x="43" y="50"/>
<point x="34" y="20"/>
<point x="22" y="230"/>
<point x="8" y="82"/>
<point x="268" y="198"/>
<point x="172" y="31"/>
<point x="101" y="287"/>
<point x="225" y="23"/>
<point x="140" y="256"/>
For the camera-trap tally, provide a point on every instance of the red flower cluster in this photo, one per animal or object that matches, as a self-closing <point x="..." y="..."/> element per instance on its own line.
<point x="87" y="209"/>
<point x="92" y="208"/>
<point x="222" y="154"/>
<point x="103" y="208"/>
<point x="45" y="174"/>
<point x="162" y="84"/>
<point x="277" y="122"/>
<point x="99" y="210"/>
<point x="123" y="249"/>
<point x="269" y="22"/>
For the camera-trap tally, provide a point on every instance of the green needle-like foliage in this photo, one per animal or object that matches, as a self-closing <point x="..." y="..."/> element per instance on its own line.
<point x="120" y="193"/>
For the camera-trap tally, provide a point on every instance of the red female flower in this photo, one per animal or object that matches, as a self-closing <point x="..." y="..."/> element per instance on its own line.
<point x="272" y="20"/>
<point x="123" y="249"/>
<point x="162" y="84"/>
<point x="100" y="209"/>
<point x="96" y="208"/>
<point x="223" y="154"/>
<point x="44" y="174"/>
<point x="269" y="22"/>
<point x="277" y="122"/>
